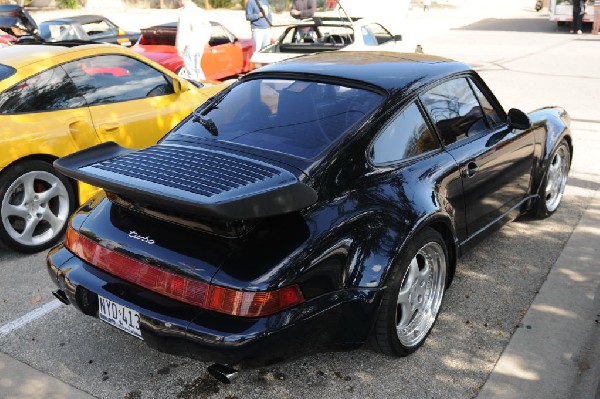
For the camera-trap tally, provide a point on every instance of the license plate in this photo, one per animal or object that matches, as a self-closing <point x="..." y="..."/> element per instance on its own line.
<point x="119" y="316"/>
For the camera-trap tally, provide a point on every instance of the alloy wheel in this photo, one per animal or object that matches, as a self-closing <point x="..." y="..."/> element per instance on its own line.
<point x="35" y="208"/>
<point x="421" y="294"/>
<point x="556" y="181"/>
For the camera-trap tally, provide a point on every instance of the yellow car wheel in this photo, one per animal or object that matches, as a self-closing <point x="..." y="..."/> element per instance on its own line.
<point x="36" y="204"/>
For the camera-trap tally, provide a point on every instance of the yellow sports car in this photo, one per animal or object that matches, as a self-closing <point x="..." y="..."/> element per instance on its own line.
<point x="55" y="100"/>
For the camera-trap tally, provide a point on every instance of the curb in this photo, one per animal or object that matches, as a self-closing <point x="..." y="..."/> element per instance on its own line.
<point x="556" y="354"/>
<point x="19" y="381"/>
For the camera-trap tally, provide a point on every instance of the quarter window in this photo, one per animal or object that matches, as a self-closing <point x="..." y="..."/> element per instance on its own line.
<point x="50" y="90"/>
<point x="455" y="111"/>
<point x="407" y="135"/>
<point x="114" y="78"/>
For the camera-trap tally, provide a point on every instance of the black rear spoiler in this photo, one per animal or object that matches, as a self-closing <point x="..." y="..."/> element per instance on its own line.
<point x="191" y="180"/>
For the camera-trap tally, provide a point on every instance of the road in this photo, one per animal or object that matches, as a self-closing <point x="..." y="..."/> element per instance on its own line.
<point x="528" y="64"/>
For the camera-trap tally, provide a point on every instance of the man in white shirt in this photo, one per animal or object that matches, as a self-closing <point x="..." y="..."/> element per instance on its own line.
<point x="193" y="33"/>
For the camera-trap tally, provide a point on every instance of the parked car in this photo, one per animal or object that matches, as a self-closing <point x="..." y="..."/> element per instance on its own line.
<point x="225" y="55"/>
<point x="317" y="203"/>
<point x="89" y="28"/>
<point x="331" y="34"/>
<point x="55" y="100"/>
<point x="95" y="28"/>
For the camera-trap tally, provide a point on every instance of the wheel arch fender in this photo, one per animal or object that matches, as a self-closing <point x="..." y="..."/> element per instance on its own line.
<point x="373" y="270"/>
<point x="556" y="121"/>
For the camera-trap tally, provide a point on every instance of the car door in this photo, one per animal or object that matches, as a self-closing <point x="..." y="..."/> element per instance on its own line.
<point x="44" y="114"/>
<point x="222" y="57"/>
<point x="495" y="160"/>
<point x="131" y="103"/>
<point x="408" y="147"/>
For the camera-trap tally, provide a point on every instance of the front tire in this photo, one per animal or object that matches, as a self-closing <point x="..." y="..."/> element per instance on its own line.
<point x="411" y="302"/>
<point x="36" y="202"/>
<point x="555" y="180"/>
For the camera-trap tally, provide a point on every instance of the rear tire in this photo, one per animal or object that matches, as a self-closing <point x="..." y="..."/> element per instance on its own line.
<point x="555" y="180"/>
<point x="36" y="202"/>
<point x="411" y="302"/>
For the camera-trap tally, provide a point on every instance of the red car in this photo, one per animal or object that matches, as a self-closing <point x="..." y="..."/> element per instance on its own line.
<point x="6" y="40"/>
<point x="225" y="55"/>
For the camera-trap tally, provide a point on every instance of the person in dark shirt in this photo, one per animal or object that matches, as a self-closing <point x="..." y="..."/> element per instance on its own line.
<point x="303" y="9"/>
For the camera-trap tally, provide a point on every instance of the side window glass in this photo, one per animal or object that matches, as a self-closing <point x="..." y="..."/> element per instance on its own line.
<point x="454" y="110"/>
<point x="406" y="136"/>
<point x="114" y="78"/>
<point x="50" y="90"/>
<point x="218" y="36"/>
<point x="98" y="29"/>
<point x="493" y="116"/>
<point x="56" y="31"/>
<point x="379" y="34"/>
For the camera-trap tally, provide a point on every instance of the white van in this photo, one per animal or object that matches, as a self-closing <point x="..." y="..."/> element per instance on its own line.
<point x="561" y="11"/>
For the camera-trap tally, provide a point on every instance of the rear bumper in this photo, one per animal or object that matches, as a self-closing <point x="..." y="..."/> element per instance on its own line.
<point x="335" y="321"/>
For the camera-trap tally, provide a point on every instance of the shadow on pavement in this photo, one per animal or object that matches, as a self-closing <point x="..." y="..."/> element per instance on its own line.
<point x="514" y="25"/>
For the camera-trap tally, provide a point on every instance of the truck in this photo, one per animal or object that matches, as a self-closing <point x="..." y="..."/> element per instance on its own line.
<point x="561" y="11"/>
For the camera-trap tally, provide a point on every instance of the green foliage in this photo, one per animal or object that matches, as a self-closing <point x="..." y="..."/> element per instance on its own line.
<point x="67" y="3"/>
<point x="224" y="3"/>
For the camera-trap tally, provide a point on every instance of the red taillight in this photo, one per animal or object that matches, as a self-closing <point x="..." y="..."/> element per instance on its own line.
<point x="184" y="289"/>
<point x="245" y="303"/>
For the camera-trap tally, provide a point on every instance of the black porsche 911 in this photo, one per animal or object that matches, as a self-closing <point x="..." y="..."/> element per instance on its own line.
<point x="316" y="204"/>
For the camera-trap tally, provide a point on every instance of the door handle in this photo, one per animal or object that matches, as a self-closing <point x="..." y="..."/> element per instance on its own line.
<point x="83" y="134"/>
<point x="470" y="170"/>
<point x="110" y="127"/>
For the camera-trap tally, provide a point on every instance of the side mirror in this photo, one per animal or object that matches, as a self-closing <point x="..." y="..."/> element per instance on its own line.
<point x="398" y="38"/>
<point x="518" y="119"/>
<point x="179" y="86"/>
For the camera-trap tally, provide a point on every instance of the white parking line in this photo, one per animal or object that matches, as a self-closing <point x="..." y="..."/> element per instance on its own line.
<point x="29" y="317"/>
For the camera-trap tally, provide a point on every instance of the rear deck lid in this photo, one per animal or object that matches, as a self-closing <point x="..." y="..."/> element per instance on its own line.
<point x="191" y="180"/>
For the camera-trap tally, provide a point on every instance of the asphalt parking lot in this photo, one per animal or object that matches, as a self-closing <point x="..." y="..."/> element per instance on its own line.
<point x="528" y="64"/>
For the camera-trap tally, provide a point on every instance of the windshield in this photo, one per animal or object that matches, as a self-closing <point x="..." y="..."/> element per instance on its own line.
<point x="57" y="31"/>
<point x="295" y="117"/>
<point x="6" y="71"/>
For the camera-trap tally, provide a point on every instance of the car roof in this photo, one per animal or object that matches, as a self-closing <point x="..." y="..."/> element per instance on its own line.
<point x="18" y="56"/>
<point x="82" y="19"/>
<point x="387" y="70"/>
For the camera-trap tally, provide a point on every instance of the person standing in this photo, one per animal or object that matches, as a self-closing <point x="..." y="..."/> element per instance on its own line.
<point x="258" y="13"/>
<point x="193" y="34"/>
<point x="596" y="27"/>
<point x="426" y="5"/>
<point x="303" y="8"/>
<point x="578" y="11"/>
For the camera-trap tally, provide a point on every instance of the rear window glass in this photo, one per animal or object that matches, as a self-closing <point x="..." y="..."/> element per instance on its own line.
<point x="6" y="71"/>
<point x="295" y="117"/>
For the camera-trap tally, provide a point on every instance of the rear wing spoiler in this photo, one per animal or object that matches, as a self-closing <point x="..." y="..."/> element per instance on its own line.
<point x="190" y="180"/>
